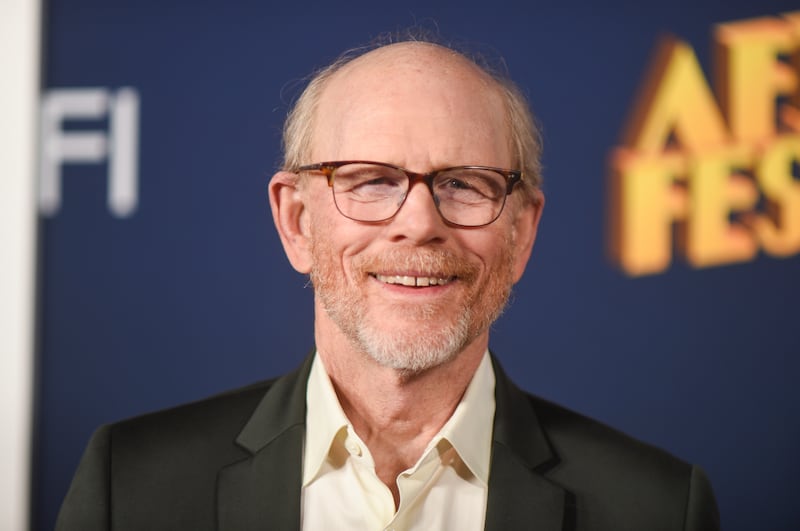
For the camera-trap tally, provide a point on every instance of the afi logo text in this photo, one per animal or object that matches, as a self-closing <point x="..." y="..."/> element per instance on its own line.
<point x="118" y="146"/>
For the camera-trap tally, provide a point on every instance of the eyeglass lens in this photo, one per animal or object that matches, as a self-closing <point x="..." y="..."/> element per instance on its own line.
<point x="463" y="196"/>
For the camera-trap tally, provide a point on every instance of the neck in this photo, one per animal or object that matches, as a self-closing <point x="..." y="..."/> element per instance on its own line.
<point x="395" y="413"/>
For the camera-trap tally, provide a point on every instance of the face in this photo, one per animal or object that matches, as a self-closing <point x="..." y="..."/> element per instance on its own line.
<point x="411" y="292"/>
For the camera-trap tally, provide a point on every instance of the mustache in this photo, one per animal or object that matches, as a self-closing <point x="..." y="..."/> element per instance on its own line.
<point x="432" y="262"/>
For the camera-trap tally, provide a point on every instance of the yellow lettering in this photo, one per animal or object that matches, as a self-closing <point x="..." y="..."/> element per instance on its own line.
<point x="675" y="100"/>
<point x="750" y="77"/>
<point x="720" y="191"/>
<point x="789" y="114"/>
<point x="715" y="192"/>
<point x="779" y="229"/>
<point x="645" y="201"/>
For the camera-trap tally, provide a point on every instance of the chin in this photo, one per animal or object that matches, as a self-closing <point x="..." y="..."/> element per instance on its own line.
<point x="414" y="351"/>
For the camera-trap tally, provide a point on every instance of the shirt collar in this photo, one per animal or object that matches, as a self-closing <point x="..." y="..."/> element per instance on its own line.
<point x="324" y="419"/>
<point x="468" y="430"/>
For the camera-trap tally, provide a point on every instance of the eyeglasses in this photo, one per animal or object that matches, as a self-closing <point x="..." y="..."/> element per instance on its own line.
<point x="465" y="196"/>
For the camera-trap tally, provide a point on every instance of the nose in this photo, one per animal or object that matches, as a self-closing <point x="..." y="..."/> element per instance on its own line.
<point x="418" y="220"/>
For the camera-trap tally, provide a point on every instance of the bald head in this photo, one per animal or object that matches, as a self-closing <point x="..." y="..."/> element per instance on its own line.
<point x="414" y="53"/>
<point x="413" y="105"/>
<point x="378" y="102"/>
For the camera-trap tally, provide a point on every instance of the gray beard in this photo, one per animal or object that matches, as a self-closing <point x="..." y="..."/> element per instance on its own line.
<point x="408" y="351"/>
<point x="437" y="337"/>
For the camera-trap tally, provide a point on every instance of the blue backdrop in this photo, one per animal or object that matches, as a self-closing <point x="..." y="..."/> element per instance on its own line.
<point x="191" y="294"/>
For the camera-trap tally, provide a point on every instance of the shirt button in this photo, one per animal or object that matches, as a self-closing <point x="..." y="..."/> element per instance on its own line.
<point x="353" y="448"/>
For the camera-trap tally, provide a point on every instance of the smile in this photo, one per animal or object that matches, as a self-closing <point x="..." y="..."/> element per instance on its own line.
<point x="413" y="281"/>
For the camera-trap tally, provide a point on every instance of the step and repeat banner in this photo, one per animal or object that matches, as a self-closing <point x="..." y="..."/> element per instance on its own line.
<point x="662" y="296"/>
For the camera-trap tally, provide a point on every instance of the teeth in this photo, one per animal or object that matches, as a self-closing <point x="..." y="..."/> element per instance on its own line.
<point x="412" y="281"/>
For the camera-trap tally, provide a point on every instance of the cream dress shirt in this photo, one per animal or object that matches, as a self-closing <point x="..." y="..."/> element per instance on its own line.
<point x="445" y="490"/>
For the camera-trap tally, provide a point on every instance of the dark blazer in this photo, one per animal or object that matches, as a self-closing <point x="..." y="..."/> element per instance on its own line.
<point x="233" y="463"/>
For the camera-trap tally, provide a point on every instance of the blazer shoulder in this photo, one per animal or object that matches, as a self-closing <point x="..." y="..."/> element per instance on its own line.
<point x="621" y="480"/>
<point x="159" y="470"/>
<point x="580" y="439"/>
<point x="225" y="411"/>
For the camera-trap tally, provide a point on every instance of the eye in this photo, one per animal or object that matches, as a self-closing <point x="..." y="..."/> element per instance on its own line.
<point x="470" y="185"/>
<point x="458" y="184"/>
<point x="368" y="182"/>
<point x="378" y="181"/>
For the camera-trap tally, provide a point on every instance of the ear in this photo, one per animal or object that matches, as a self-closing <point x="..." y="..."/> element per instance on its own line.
<point x="289" y="214"/>
<point x="526" y="223"/>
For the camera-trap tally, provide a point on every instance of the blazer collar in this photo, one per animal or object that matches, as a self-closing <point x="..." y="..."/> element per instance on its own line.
<point x="262" y="491"/>
<point x="520" y="495"/>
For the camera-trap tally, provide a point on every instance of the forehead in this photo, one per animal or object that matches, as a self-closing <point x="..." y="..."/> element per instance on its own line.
<point x="412" y="104"/>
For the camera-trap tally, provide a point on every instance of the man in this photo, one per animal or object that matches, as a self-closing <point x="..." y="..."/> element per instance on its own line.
<point x="400" y="418"/>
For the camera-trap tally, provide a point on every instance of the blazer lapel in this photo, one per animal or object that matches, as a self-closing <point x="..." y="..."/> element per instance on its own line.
<point x="262" y="492"/>
<point x="520" y="494"/>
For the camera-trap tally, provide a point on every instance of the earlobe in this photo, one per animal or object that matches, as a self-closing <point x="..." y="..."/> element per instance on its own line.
<point x="526" y="224"/>
<point x="289" y="215"/>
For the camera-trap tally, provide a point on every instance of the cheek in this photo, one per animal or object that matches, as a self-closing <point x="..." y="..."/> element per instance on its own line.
<point x="336" y="242"/>
<point x="493" y="249"/>
<point x="499" y="261"/>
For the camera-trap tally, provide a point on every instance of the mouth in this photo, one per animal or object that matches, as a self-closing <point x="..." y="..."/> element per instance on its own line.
<point x="413" y="281"/>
